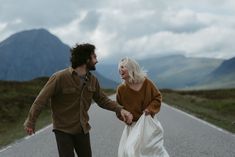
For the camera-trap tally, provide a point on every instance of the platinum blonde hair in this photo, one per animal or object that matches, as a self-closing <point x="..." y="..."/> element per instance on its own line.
<point x="136" y="73"/>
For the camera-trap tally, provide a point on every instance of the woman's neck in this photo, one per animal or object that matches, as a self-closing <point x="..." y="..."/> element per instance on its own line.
<point x="135" y="86"/>
<point x="127" y="81"/>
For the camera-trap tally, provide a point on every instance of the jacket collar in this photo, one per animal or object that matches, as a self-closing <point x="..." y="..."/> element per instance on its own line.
<point x="73" y="72"/>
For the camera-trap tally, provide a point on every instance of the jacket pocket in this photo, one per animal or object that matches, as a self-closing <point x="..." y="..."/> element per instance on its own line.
<point x="89" y="92"/>
<point x="69" y="90"/>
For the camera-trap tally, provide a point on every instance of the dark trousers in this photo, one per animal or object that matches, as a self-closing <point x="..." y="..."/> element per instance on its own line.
<point x="67" y="143"/>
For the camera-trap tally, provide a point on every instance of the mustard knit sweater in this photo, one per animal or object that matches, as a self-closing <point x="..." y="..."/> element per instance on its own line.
<point x="137" y="101"/>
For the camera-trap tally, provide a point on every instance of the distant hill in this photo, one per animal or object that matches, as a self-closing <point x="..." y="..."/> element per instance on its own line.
<point x="35" y="53"/>
<point x="109" y="71"/>
<point x="178" y="71"/>
<point x="174" y="71"/>
<point x="226" y="68"/>
<point x="105" y="82"/>
<point x="221" y="77"/>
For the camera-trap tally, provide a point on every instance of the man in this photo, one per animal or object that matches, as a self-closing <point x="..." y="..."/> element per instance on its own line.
<point x="71" y="92"/>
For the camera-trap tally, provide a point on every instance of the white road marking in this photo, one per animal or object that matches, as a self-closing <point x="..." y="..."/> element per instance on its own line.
<point x="25" y="138"/>
<point x="2" y="150"/>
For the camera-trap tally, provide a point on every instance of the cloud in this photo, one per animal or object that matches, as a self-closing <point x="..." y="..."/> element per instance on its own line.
<point x="183" y="20"/>
<point x="136" y="28"/>
<point x="90" y="21"/>
<point x="207" y="42"/>
<point x="37" y="13"/>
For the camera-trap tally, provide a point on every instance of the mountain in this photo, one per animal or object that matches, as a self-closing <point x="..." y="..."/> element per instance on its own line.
<point x="32" y="53"/>
<point x="226" y="68"/>
<point x="221" y="77"/>
<point x="109" y="71"/>
<point x="105" y="82"/>
<point x="174" y="71"/>
<point x="178" y="71"/>
<point x="35" y="53"/>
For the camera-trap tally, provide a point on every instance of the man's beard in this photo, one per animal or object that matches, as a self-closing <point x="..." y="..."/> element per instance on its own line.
<point x="91" y="67"/>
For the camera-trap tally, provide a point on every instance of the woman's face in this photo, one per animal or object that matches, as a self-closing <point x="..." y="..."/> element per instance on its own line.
<point x="123" y="71"/>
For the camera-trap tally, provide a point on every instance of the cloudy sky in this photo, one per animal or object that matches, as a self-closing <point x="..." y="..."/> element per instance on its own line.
<point x="135" y="28"/>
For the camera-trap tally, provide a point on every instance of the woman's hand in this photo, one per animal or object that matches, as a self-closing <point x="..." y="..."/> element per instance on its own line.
<point x="147" y="112"/>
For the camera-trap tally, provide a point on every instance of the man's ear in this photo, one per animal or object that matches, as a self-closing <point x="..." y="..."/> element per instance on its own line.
<point x="88" y="60"/>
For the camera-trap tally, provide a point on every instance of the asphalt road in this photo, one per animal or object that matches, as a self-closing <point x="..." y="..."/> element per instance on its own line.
<point x="185" y="136"/>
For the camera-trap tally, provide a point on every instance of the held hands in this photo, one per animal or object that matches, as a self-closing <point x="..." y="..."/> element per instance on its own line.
<point x="126" y="116"/>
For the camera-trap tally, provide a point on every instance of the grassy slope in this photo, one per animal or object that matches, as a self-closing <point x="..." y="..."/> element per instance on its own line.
<point x="214" y="106"/>
<point x="15" y="101"/>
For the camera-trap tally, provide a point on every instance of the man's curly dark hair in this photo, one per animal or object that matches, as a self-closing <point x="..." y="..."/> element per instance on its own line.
<point x="81" y="53"/>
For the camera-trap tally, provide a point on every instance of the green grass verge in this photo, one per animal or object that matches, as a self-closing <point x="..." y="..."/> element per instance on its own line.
<point x="214" y="106"/>
<point x="10" y="132"/>
<point x="15" y="101"/>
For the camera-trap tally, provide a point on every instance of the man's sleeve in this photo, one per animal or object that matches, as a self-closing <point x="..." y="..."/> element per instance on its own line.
<point x="42" y="99"/>
<point x="103" y="101"/>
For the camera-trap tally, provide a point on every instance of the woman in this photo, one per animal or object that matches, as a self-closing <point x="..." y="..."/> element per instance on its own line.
<point x="138" y="95"/>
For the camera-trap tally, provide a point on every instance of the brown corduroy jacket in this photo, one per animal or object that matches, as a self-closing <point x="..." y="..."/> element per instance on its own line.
<point x="70" y="101"/>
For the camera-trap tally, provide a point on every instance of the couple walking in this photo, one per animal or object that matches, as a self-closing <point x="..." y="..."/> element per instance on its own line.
<point x="71" y="91"/>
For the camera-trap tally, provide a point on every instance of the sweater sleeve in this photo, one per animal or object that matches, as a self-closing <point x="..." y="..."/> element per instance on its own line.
<point x="155" y="104"/>
<point x="118" y="99"/>
<point x="118" y="96"/>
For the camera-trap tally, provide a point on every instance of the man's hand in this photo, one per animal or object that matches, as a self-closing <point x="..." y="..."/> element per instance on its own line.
<point x="126" y="116"/>
<point x="29" y="130"/>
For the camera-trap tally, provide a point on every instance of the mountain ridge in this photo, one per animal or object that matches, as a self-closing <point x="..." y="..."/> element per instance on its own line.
<point x="36" y="53"/>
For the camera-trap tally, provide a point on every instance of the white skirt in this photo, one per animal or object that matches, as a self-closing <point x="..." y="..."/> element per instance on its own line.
<point x="142" y="139"/>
